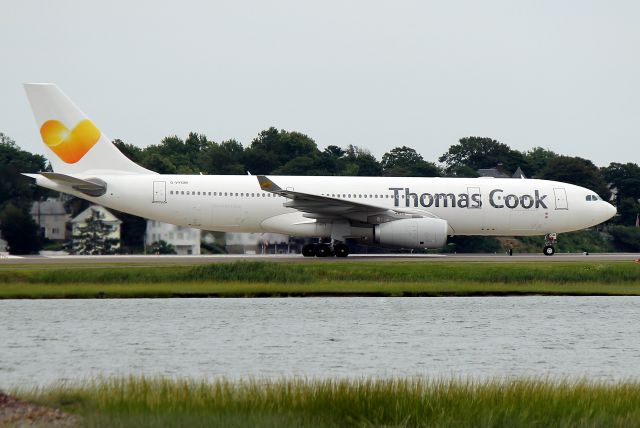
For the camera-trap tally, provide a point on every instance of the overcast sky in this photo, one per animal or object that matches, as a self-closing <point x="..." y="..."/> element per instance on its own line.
<point x="564" y="75"/>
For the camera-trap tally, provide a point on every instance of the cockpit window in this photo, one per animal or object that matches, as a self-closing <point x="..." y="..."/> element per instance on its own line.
<point x="594" y="198"/>
<point x="588" y="197"/>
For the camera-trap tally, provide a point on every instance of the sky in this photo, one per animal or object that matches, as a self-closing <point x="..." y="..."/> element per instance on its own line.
<point x="563" y="75"/>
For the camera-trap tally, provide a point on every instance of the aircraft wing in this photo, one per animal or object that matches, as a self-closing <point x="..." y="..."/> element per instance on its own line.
<point x="328" y="208"/>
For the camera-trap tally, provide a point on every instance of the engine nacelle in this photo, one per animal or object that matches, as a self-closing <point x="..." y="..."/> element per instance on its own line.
<point x="412" y="233"/>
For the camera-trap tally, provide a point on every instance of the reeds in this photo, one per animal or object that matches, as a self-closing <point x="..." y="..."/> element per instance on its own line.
<point x="272" y="279"/>
<point x="140" y="401"/>
<point x="267" y="272"/>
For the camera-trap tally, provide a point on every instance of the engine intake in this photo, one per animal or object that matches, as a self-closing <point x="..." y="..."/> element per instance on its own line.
<point x="412" y="233"/>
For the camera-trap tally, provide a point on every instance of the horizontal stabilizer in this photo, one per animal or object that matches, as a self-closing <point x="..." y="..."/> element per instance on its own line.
<point x="91" y="186"/>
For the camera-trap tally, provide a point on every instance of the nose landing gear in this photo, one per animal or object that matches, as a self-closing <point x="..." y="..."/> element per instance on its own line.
<point x="325" y="250"/>
<point x="549" y="244"/>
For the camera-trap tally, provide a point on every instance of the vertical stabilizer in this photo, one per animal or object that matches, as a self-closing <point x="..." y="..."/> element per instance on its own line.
<point x="73" y="143"/>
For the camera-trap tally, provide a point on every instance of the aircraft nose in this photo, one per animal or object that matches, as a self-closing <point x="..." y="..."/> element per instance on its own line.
<point x="610" y="211"/>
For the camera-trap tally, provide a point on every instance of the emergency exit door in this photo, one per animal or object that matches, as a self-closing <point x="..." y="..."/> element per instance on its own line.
<point x="561" y="198"/>
<point x="159" y="191"/>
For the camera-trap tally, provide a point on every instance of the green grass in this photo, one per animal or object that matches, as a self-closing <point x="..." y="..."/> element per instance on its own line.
<point x="259" y="279"/>
<point x="156" y="402"/>
<point x="311" y="289"/>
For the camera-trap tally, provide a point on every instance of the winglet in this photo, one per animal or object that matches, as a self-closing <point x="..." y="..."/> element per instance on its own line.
<point x="268" y="185"/>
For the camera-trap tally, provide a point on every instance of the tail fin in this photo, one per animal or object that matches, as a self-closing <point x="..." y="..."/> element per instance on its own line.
<point x="73" y="143"/>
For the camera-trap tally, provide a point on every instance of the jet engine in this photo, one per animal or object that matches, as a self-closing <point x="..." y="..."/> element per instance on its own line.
<point x="412" y="233"/>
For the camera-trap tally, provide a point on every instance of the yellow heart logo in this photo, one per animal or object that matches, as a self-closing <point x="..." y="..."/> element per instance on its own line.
<point x="70" y="146"/>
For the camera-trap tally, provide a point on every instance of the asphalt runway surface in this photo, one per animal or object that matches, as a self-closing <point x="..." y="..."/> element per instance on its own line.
<point x="295" y="258"/>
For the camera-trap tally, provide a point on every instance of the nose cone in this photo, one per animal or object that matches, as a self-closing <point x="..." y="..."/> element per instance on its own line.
<point x="609" y="211"/>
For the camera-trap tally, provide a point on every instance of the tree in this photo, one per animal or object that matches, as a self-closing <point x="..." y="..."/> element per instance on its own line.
<point x="14" y="187"/>
<point x="624" y="180"/>
<point x="93" y="238"/>
<point x="226" y="158"/>
<point x="134" y="153"/>
<point x="20" y="231"/>
<point x="578" y="171"/>
<point x="175" y="156"/>
<point x="162" y="247"/>
<point x="405" y="161"/>
<point x="480" y="152"/>
<point x="537" y="160"/>
<point x="279" y="147"/>
<point x="626" y="238"/>
<point x="362" y="162"/>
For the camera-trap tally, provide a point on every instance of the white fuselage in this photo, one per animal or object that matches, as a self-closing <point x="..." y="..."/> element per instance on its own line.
<point x="471" y="206"/>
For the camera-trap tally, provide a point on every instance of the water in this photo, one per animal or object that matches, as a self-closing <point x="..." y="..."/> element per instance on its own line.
<point x="43" y="341"/>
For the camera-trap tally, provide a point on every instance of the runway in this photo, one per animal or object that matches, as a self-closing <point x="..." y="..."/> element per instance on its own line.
<point x="297" y="258"/>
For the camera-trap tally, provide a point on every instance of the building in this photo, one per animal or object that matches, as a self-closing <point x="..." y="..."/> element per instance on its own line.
<point x="52" y="218"/>
<point x="256" y="243"/>
<point x="498" y="172"/>
<point x="185" y="240"/>
<point x="79" y="222"/>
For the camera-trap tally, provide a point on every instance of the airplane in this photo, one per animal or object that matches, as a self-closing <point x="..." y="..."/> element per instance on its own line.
<point x="399" y="212"/>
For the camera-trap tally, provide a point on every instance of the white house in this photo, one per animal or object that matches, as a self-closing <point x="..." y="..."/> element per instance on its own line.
<point x="185" y="240"/>
<point x="105" y="215"/>
<point x="51" y="217"/>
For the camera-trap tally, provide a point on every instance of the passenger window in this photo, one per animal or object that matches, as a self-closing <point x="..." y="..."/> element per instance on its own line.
<point x="187" y="192"/>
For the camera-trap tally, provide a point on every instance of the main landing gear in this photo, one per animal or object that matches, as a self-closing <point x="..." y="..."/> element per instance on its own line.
<point x="325" y="250"/>
<point x="549" y="241"/>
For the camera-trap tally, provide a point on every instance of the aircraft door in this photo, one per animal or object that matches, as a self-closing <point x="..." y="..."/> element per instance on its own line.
<point x="159" y="192"/>
<point x="560" y="195"/>
<point x="473" y="193"/>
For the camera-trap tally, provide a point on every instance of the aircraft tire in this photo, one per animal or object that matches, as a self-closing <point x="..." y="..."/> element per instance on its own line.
<point x="309" y="250"/>
<point x="341" y="250"/>
<point x="549" y="250"/>
<point x="323" y="250"/>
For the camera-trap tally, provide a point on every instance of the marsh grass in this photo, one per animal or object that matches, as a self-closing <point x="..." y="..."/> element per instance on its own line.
<point x="139" y="401"/>
<point x="252" y="271"/>
<point x="310" y="289"/>
<point x="265" y="279"/>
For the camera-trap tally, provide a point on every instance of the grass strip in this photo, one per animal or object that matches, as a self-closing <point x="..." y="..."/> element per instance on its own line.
<point x="158" y="402"/>
<point x="303" y="272"/>
<point x="270" y="279"/>
<point x="311" y="289"/>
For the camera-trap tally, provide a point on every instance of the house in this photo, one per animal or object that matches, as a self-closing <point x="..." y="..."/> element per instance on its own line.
<point x="185" y="240"/>
<point x="52" y="218"/>
<point x="498" y="172"/>
<point x="80" y="223"/>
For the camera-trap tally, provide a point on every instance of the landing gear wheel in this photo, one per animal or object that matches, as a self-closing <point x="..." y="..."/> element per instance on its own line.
<point x="309" y="250"/>
<point x="323" y="250"/>
<point x="341" y="250"/>
<point x="549" y="250"/>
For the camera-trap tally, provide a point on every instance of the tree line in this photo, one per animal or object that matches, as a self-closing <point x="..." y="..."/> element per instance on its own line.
<point x="281" y="152"/>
